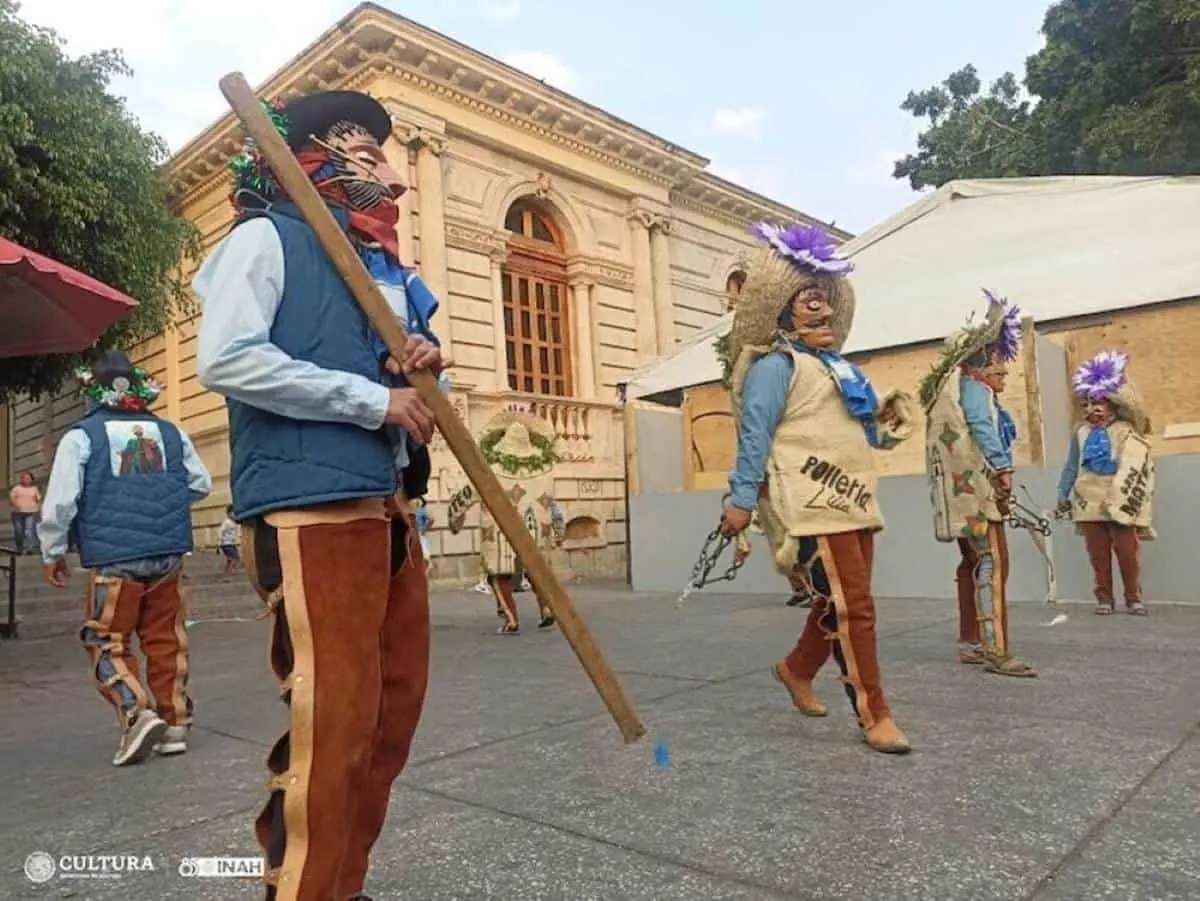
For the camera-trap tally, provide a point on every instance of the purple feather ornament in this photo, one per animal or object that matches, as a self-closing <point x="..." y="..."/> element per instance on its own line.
<point x="808" y="247"/>
<point x="1102" y="376"/>
<point x="1008" y="343"/>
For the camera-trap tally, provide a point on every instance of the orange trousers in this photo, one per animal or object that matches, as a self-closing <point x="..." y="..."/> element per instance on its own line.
<point x="123" y="600"/>
<point x="842" y="621"/>
<point x="982" y="581"/>
<point x="1103" y="540"/>
<point x="350" y="648"/>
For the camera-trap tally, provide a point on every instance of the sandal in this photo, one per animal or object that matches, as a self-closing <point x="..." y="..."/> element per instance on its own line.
<point x="1105" y="610"/>
<point x="1010" y="666"/>
<point x="971" y="656"/>
<point x="1136" y="609"/>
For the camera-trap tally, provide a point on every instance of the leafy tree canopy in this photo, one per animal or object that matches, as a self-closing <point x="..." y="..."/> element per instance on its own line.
<point x="1114" y="91"/>
<point x="81" y="182"/>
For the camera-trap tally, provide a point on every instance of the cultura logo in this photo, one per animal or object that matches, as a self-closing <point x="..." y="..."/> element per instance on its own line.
<point x="39" y="867"/>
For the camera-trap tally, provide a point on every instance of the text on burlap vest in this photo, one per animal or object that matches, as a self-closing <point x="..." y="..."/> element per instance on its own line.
<point x="820" y="475"/>
<point x="962" y="495"/>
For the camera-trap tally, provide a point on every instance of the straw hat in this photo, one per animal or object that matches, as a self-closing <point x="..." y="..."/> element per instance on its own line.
<point x="1106" y="377"/>
<point x="793" y="259"/>
<point x="999" y="333"/>
<point x="519" y="443"/>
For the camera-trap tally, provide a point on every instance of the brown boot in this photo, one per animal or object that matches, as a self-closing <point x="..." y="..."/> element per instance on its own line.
<point x="885" y="736"/>
<point x="800" y="690"/>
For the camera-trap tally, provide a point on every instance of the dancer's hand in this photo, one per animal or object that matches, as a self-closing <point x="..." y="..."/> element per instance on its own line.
<point x="735" y="520"/>
<point x="407" y="410"/>
<point x="1064" y="507"/>
<point x="421" y="354"/>
<point x="57" y="573"/>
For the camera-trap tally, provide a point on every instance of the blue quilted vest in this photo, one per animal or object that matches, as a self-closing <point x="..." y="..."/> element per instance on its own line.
<point x="279" y="463"/>
<point x="135" y="501"/>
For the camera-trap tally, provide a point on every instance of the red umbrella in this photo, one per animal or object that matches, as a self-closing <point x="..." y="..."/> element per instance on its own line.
<point x="47" y="307"/>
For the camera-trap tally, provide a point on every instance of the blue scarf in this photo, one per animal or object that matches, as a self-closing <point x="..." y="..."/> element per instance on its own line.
<point x="1005" y="426"/>
<point x="857" y="394"/>
<point x="1097" y="452"/>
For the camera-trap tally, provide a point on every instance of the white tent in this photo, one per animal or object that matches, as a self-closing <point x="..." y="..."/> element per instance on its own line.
<point x="1058" y="247"/>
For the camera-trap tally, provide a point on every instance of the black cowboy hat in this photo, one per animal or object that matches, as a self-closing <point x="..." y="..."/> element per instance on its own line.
<point x="315" y="114"/>
<point x="111" y="364"/>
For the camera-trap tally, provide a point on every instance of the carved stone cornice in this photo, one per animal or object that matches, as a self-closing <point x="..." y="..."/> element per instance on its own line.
<point x="492" y="242"/>
<point x="591" y="270"/>
<point x="415" y="136"/>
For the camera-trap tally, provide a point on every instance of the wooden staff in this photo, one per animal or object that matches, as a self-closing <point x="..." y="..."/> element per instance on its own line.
<point x="302" y="192"/>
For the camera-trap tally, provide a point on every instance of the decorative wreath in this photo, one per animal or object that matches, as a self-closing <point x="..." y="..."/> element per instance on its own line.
<point x="130" y="394"/>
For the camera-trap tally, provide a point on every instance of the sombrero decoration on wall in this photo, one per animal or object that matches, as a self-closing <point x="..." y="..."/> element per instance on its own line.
<point x="519" y="444"/>
<point x="1106" y="377"/>
<point x="792" y="258"/>
<point x="999" y="333"/>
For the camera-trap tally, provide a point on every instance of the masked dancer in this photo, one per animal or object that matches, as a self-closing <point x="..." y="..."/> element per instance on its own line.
<point x="968" y="450"/>
<point x="123" y="484"/>
<point x="808" y="420"/>
<point x="1107" y="483"/>
<point x="324" y="430"/>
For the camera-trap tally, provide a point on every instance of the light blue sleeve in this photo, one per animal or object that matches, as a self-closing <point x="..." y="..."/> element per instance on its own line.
<point x="63" y="493"/>
<point x="764" y="398"/>
<point x="240" y="287"/>
<point x="976" y="402"/>
<point x="199" y="480"/>
<point x="1070" y="470"/>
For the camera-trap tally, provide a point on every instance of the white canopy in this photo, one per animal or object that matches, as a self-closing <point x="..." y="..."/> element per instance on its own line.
<point x="1058" y="247"/>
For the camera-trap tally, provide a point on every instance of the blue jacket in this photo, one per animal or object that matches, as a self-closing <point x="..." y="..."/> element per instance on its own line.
<point x="280" y="463"/>
<point x="135" y="502"/>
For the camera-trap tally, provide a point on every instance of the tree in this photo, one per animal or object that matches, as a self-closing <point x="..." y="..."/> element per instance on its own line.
<point x="1114" y="91"/>
<point x="81" y="182"/>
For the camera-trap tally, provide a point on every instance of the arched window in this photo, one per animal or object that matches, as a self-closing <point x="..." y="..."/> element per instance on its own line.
<point x="733" y="287"/>
<point x="537" y="326"/>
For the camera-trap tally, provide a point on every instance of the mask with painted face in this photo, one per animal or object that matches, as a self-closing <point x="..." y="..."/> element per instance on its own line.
<point x="808" y="317"/>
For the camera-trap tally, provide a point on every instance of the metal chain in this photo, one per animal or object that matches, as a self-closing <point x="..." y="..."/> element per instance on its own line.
<point x="710" y="555"/>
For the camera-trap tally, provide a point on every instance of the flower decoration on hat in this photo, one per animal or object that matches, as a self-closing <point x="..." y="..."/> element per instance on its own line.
<point x="1102" y="376"/>
<point x="250" y="169"/>
<point x="1007" y="344"/>
<point x="131" y="394"/>
<point x="809" y="247"/>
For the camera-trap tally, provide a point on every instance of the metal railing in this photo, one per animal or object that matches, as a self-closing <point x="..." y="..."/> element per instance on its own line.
<point x="8" y="629"/>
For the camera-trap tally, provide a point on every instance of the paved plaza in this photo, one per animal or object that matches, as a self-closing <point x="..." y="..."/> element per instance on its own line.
<point x="1082" y="784"/>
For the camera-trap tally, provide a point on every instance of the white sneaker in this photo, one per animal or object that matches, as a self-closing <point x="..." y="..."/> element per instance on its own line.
<point x="141" y="734"/>
<point x="174" y="741"/>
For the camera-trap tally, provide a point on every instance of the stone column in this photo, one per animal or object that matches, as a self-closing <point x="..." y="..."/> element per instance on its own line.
<point x="664" y="305"/>
<point x="584" y="355"/>
<point x="498" y="256"/>
<point x="643" y="286"/>
<point x="396" y="153"/>
<point x="432" y="224"/>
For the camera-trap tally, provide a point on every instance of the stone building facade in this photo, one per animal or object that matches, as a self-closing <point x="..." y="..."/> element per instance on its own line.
<point x="568" y="248"/>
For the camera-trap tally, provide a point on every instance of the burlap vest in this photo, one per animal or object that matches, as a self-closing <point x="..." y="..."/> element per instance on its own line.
<point x="496" y="551"/>
<point x="962" y="495"/>
<point x="820" y="477"/>
<point x="1126" y="497"/>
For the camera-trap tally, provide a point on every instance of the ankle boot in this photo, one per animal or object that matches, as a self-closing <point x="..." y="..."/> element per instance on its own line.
<point x="885" y="736"/>
<point x="800" y="690"/>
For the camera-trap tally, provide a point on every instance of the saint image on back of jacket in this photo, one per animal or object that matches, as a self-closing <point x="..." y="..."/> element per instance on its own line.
<point x="327" y="443"/>
<point x="1107" y="482"/>
<point x="808" y="420"/>
<point x="968" y="456"/>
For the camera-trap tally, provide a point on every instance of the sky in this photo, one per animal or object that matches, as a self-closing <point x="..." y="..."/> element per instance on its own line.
<point x="794" y="99"/>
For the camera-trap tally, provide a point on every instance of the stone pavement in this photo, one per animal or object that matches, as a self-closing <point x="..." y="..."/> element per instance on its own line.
<point x="1083" y="784"/>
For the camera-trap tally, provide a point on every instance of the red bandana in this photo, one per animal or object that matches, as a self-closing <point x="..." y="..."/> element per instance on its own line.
<point x="376" y="225"/>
